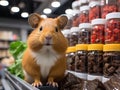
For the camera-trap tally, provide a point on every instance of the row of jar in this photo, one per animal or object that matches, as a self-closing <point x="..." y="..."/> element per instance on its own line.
<point x="95" y="60"/>
<point x="85" y="11"/>
<point x="98" y="31"/>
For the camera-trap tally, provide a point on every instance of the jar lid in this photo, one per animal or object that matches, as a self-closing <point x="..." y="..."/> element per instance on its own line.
<point x="74" y="12"/>
<point x="66" y="31"/>
<point x="113" y="15"/>
<point x="83" y="1"/>
<point x="94" y="3"/>
<point x="95" y="47"/>
<point x="74" y="29"/>
<point x="75" y="4"/>
<point x="81" y="46"/>
<point x="111" y="47"/>
<point x="83" y="8"/>
<point x="98" y="21"/>
<point x="85" y="25"/>
<point x="71" y="49"/>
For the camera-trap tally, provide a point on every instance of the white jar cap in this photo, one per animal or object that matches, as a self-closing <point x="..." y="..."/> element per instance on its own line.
<point x="66" y="31"/>
<point x="94" y="3"/>
<point x="75" y="4"/>
<point x="85" y="25"/>
<point x="83" y="1"/>
<point x="98" y="21"/>
<point x="113" y="15"/>
<point x="74" y="12"/>
<point x="74" y="29"/>
<point x="84" y="8"/>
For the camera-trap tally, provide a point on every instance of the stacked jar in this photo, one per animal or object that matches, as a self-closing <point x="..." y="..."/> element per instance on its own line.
<point x="95" y="61"/>
<point x="84" y="33"/>
<point x="84" y="13"/>
<point x="111" y="59"/>
<point x="81" y="60"/>
<point x="70" y="54"/>
<point x="97" y="33"/>
<point x="74" y="36"/>
<point x="95" y="10"/>
<point x="66" y="33"/>
<point x="112" y="31"/>
<point x="108" y="6"/>
<point x="84" y="2"/>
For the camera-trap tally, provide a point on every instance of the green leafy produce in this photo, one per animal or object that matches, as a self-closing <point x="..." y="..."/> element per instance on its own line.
<point x="17" y="49"/>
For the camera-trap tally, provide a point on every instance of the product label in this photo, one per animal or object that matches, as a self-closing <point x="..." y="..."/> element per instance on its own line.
<point x="92" y="77"/>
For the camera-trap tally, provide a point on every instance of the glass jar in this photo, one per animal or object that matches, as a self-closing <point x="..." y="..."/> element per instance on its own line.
<point x="70" y="54"/>
<point x="74" y="36"/>
<point x="84" y="14"/>
<point x="111" y="59"/>
<point x="76" y="5"/>
<point x="108" y="6"/>
<point x="84" y="2"/>
<point x="112" y="30"/>
<point x="97" y="33"/>
<point x="95" y="10"/>
<point x="81" y="60"/>
<point x="84" y="33"/>
<point x="95" y="61"/>
<point x="75" y="18"/>
<point x="66" y="33"/>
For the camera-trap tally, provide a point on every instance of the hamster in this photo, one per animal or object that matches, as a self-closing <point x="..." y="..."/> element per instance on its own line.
<point x="44" y="60"/>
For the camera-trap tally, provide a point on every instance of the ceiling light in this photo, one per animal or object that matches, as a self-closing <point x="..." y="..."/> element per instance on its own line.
<point x="47" y="11"/>
<point x="43" y="16"/>
<point x="15" y="9"/>
<point x="68" y="11"/>
<point x="24" y="14"/>
<point x="4" y="3"/>
<point x="55" y="4"/>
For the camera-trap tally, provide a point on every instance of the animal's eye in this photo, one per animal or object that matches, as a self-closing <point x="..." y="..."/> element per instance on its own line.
<point x="41" y="28"/>
<point x="56" y="29"/>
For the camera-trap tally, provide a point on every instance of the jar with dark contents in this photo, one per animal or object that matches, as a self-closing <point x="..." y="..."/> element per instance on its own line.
<point x="84" y="33"/>
<point x="111" y="60"/>
<point x="70" y="54"/>
<point x="95" y="10"/>
<point x="108" y="6"/>
<point x="84" y="14"/>
<point x="95" y="61"/>
<point x="81" y="60"/>
<point x="66" y="33"/>
<point x="97" y="33"/>
<point x="74" y="36"/>
<point x="112" y="30"/>
<point x="75" y="18"/>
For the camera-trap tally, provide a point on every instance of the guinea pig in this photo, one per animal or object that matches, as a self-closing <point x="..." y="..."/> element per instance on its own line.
<point x="44" y="60"/>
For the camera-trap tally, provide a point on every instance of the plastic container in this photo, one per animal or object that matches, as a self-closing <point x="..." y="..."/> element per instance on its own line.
<point x="84" y="33"/>
<point x="74" y="36"/>
<point x="112" y="30"/>
<point x="84" y="14"/>
<point x="108" y="6"/>
<point x="95" y="61"/>
<point x="97" y="33"/>
<point x="95" y="10"/>
<point x="81" y="60"/>
<point x="66" y="33"/>
<point x="111" y="59"/>
<point x="70" y="54"/>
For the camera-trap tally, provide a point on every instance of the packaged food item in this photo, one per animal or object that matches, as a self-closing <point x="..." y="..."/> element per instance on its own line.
<point x="70" y="54"/>
<point x="108" y="6"/>
<point x="84" y="2"/>
<point x="95" y="61"/>
<point x="84" y="14"/>
<point x="112" y="30"/>
<point x="76" y="5"/>
<point x="81" y="60"/>
<point x="84" y="33"/>
<point x="111" y="60"/>
<point x="95" y="10"/>
<point x="97" y="33"/>
<point x="74" y="36"/>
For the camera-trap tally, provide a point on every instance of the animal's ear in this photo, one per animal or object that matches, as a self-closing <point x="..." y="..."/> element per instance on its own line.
<point x="62" y="21"/>
<point x="34" y="20"/>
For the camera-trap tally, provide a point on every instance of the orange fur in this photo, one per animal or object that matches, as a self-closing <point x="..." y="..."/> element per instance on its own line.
<point x="36" y="42"/>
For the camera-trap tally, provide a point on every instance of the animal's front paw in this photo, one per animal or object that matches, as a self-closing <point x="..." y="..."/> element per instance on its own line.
<point x="54" y="84"/>
<point x="37" y="84"/>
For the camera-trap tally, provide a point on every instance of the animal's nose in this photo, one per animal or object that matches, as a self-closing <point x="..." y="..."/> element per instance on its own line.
<point x="48" y="37"/>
